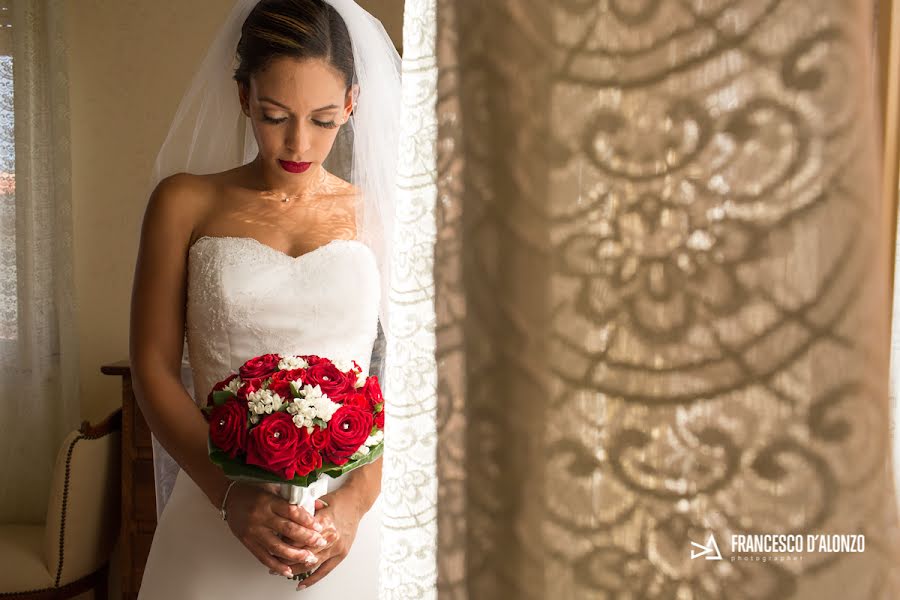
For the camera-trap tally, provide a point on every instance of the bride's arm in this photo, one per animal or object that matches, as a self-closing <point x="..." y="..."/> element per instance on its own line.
<point x="157" y="335"/>
<point x="363" y="486"/>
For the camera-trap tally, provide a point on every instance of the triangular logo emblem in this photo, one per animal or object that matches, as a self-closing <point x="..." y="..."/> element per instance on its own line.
<point x="710" y="550"/>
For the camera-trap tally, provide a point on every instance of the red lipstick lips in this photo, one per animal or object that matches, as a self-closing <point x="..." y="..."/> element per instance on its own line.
<point x="294" y="167"/>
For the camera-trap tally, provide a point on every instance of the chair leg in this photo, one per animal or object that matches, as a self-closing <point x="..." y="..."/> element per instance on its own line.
<point x="101" y="592"/>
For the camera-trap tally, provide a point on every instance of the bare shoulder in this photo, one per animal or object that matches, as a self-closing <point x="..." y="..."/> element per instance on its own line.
<point x="178" y="203"/>
<point x="160" y="278"/>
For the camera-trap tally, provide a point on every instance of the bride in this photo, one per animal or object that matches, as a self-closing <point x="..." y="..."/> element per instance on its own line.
<point x="267" y="251"/>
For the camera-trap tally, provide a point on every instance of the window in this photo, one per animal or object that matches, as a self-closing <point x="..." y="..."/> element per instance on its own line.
<point x="8" y="276"/>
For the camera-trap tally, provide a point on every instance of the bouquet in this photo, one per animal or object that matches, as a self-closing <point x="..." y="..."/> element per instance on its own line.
<point x="295" y="421"/>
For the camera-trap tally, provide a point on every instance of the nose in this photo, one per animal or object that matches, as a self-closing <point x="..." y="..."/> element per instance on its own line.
<point x="299" y="138"/>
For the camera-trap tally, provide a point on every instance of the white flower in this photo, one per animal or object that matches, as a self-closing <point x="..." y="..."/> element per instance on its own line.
<point x="313" y="392"/>
<point x="234" y="385"/>
<point x="360" y="380"/>
<point x="300" y="419"/>
<point x="362" y="451"/>
<point x="264" y="402"/>
<point x="289" y="363"/>
<point x="374" y="440"/>
<point x="343" y="364"/>
<point x="312" y="404"/>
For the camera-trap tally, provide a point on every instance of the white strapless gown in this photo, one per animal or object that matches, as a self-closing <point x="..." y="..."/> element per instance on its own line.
<point x="246" y="299"/>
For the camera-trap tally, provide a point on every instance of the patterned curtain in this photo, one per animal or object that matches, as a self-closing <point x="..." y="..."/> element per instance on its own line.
<point x="661" y="302"/>
<point x="38" y="356"/>
<point x="409" y="484"/>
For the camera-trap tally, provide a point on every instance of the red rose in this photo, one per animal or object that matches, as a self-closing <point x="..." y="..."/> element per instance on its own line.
<point x="354" y="399"/>
<point x="273" y="444"/>
<point x="329" y="378"/>
<point x="281" y="382"/>
<point x="218" y="388"/>
<point x="308" y="458"/>
<point x="319" y="438"/>
<point x="228" y="427"/>
<point x="349" y="428"/>
<point x="259" y="367"/>
<point x="372" y="392"/>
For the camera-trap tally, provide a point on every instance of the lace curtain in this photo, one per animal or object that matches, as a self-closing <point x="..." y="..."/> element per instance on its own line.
<point x="409" y="484"/>
<point x="38" y="347"/>
<point x="660" y="299"/>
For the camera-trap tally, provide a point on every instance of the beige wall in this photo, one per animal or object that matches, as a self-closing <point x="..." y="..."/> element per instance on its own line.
<point x="129" y="64"/>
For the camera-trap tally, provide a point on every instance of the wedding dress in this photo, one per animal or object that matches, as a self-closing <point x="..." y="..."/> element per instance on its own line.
<point x="245" y="299"/>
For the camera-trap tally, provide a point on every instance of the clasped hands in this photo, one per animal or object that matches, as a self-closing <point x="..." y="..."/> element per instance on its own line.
<point x="286" y="538"/>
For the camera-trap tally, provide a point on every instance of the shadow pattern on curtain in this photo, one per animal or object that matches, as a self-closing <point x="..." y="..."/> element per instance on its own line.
<point x="660" y="300"/>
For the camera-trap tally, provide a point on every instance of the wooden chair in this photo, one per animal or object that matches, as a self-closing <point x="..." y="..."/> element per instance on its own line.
<point x="69" y="553"/>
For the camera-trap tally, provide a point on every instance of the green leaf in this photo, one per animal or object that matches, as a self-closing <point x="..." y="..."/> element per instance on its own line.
<point x="222" y="396"/>
<point x="337" y="471"/>
<point x="379" y="407"/>
<point x="320" y="423"/>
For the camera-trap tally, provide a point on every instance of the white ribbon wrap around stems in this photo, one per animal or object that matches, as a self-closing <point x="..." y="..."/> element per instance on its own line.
<point x="305" y="496"/>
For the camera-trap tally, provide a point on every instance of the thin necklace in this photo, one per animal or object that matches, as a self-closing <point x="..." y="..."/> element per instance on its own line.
<point x="321" y="180"/>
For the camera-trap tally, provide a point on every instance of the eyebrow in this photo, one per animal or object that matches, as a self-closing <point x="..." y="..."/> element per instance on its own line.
<point x="271" y="101"/>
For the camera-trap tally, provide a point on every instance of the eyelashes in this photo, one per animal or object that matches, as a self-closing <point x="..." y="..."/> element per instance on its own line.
<point x="323" y="124"/>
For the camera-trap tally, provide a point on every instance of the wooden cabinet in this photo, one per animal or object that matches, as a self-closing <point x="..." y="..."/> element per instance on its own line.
<point x="138" y="489"/>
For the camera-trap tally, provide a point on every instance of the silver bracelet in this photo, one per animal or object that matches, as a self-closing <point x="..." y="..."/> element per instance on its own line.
<point x="225" y="499"/>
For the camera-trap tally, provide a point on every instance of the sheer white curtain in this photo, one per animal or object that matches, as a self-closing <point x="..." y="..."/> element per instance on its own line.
<point x="409" y="484"/>
<point x="38" y="358"/>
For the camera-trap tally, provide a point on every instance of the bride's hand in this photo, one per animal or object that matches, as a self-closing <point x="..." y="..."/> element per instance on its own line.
<point x="257" y="516"/>
<point x="340" y="519"/>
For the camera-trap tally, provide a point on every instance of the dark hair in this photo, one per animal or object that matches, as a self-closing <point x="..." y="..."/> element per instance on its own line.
<point x="297" y="29"/>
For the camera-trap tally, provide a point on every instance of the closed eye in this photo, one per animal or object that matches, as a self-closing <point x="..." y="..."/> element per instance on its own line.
<point x="324" y="124"/>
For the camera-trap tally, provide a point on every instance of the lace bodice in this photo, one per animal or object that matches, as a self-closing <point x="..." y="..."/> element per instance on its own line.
<point x="245" y="298"/>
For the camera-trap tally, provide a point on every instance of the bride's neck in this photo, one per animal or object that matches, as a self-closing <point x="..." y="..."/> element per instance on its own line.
<point x="306" y="183"/>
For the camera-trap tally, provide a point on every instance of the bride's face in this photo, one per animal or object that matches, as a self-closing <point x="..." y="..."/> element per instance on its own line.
<point x="296" y="108"/>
